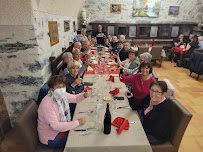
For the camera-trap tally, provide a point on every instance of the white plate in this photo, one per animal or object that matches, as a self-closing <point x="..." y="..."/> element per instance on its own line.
<point x="112" y="63"/>
<point x="93" y="58"/>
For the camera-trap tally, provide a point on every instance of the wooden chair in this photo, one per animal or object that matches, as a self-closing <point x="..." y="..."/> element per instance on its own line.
<point x="180" y="119"/>
<point x="156" y="54"/>
<point x="142" y="49"/>
<point x="26" y="127"/>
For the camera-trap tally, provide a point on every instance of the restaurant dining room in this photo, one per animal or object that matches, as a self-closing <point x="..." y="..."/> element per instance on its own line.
<point x="101" y="76"/>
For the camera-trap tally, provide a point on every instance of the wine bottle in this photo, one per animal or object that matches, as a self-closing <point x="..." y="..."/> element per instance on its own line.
<point x="107" y="120"/>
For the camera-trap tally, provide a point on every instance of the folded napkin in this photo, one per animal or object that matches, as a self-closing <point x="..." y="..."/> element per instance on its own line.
<point x="111" y="78"/>
<point x="92" y="52"/>
<point x="89" y="68"/>
<point x="121" y="123"/>
<point x="149" y="45"/>
<point x="137" y="46"/>
<point x="114" y="92"/>
<point x="87" y="87"/>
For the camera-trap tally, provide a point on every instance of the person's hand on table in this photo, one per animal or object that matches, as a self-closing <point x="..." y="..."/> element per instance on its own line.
<point x="82" y="121"/>
<point x="85" y="95"/>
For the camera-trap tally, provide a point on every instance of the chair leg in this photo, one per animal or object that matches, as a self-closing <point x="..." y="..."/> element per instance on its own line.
<point x="190" y="73"/>
<point x="172" y="56"/>
<point x="197" y="77"/>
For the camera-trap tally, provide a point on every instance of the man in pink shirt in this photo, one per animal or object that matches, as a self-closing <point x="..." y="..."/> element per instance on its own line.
<point x="54" y="119"/>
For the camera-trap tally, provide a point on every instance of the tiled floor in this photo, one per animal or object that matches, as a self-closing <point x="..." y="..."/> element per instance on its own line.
<point x="189" y="92"/>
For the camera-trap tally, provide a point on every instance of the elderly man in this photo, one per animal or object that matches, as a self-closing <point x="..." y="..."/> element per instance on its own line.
<point x="122" y="38"/>
<point x="85" y="48"/>
<point x="123" y="55"/>
<point x="81" y="36"/>
<point x="77" y="45"/>
<point x="191" y="36"/>
<point x="114" y="41"/>
<point x="99" y="31"/>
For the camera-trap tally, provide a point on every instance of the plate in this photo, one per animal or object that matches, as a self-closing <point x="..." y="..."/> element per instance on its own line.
<point x="93" y="58"/>
<point x="94" y="62"/>
<point x="111" y="63"/>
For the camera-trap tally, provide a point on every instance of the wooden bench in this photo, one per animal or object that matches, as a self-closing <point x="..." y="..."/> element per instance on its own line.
<point x="55" y="62"/>
<point x="166" y="44"/>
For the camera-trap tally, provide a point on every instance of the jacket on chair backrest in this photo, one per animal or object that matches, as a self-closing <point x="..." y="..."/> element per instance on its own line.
<point x="196" y="62"/>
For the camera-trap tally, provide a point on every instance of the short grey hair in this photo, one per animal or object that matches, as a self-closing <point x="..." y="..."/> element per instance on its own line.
<point x="147" y="56"/>
<point x="73" y="64"/>
<point x="66" y="54"/>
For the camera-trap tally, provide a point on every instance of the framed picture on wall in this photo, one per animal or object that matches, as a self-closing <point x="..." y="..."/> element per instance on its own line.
<point x="53" y="32"/>
<point x="173" y="10"/>
<point x="74" y="28"/>
<point x="66" y="25"/>
<point x="115" y="8"/>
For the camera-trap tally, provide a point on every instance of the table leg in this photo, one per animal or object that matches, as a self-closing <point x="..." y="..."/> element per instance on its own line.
<point x="181" y="57"/>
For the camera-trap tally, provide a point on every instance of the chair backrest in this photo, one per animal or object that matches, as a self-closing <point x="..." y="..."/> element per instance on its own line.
<point x="199" y="50"/>
<point x="142" y="49"/>
<point x="26" y="125"/>
<point x="179" y="122"/>
<point x="171" y="90"/>
<point x="156" y="52"/>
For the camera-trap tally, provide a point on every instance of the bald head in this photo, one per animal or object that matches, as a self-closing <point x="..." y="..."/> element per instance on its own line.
<point x="122" y="38"/>
<point x="77" y="45"/>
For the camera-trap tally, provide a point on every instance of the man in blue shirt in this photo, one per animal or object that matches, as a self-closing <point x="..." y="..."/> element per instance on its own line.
<point x="81" y="36"/>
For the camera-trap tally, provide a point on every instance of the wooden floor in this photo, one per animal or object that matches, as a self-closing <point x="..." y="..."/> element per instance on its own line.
<point x="189" y="92"/>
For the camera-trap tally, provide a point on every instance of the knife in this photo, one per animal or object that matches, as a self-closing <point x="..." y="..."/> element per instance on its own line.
<point x="85" y="129"/>
<point x="127" y="107"/>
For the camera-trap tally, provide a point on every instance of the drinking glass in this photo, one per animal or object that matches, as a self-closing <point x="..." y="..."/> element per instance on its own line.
<point x="114" y="108"/>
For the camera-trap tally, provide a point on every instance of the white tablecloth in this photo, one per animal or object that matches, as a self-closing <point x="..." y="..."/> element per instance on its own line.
<point x="132" y="140"/>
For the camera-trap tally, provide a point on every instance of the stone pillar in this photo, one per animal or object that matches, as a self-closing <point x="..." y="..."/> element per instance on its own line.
<point x="5" y="124"/>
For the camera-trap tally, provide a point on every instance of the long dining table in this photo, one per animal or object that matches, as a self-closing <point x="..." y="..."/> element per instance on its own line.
<point x="93" y="109"/>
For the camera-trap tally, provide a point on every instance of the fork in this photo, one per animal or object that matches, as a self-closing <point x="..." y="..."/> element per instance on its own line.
<point x="89" y="111"/>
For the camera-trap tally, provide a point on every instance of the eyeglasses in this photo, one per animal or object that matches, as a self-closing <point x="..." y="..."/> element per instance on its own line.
<point x="156" y="92"/>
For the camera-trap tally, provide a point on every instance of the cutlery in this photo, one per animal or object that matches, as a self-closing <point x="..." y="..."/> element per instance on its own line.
<point x="87" y="129"/>
<point x="132" y="122"/>
<point x="125" y="107"/>
<point x="89" y="111"/>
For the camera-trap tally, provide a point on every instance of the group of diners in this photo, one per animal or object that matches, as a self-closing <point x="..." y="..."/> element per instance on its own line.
<point x="187" y="44"/>
<point x="147" y="95"/>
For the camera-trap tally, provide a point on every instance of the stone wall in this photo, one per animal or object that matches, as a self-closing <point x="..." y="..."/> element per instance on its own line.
<point x="99" y="11"/>
<point x="25" y="50"/>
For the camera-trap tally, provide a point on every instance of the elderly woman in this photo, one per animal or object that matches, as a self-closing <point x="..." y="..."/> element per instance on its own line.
<point x="77" y="56"/>
<point x="145" y="57"/>
<point x="131" y="64"/>
<point x="54" y="119"/>
<point x="74" y="81"/>
<point x="156" y="113"/>
<point x="140" y="81"/>
<point x="66" y="58"/>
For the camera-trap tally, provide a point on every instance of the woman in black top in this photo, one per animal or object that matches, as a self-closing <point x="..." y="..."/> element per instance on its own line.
<point x="190" y="48"/>
<point x="156" y="113"/>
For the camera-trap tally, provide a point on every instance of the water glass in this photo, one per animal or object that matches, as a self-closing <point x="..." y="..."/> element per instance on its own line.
<point x="114" y="108"/>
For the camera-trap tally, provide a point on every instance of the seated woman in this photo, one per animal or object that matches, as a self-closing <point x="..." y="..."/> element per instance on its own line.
<point x="74" y="81"/>
<point x="77" y="56"/>
<point x="200" y="40"/>
<point x="140" y="81"/>
<point x="190" y="48"/>
<point x="156" y="113"/>
<point x="93" y="42"/>
<point x="145" y="57"/>
<point x="54" y="119"/>
<point x="131" y="64"/>
<point x="66" y="58"/>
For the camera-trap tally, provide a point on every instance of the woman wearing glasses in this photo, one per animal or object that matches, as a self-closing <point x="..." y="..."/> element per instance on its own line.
<point x="156" y="113"/>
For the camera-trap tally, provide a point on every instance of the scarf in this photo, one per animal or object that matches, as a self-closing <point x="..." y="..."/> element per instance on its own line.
<point x="65" y="116"/>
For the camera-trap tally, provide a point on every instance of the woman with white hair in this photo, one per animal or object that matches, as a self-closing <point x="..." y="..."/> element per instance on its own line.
<point x="74" y="81"/>
<point x="67" y="57"/>
<point x="145" y="57"/>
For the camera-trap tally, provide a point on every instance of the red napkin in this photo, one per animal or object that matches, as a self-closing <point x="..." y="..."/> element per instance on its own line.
<point x="111" y="78"/>
<point x="63" y="134"/>
<point x="87" y="87"/>
<point x="137" y="46"/>
<point x="121" y="123"/>
<point x="149" y="45"/>
<point x="114" y="92"/>
<point x="92" y="52"/>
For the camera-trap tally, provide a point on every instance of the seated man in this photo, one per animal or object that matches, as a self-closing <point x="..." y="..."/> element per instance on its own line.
<point x="85" y="48"/>
<point x="77" y="45"/>
<point x="123" y="55"/>
<point x="122" y="38"/>
<point x="200" y="40"/>
<point x="114" y="42"/>
<point x="81" y="36"/>
<point x="179" y="42"/>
